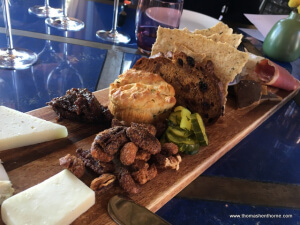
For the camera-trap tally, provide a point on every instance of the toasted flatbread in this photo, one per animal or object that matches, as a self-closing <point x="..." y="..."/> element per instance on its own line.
<point x="232" y="39"/>
<point x="219" y="28"/>
<point x="228" y="61"/>
<point x="199" y="57"/>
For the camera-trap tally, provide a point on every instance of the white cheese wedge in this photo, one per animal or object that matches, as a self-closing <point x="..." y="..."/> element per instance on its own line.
<point x="58" y="200"/>
<point x="19" y="129"/>
<point x="6" y="189"/>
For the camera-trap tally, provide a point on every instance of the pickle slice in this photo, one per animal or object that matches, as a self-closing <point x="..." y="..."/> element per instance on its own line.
<point x="189" y="149"/>
<point x="182" y="117"/>
<point x="175" y="118"/>
<point x="180" y="132"/>
<point x="180" y="140"/>
<point x="199" y="129"/>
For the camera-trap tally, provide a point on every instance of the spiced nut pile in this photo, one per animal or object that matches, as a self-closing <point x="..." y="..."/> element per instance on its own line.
<point x="130" y="155"/>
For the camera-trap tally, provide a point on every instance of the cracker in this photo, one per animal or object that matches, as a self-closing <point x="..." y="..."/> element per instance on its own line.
<point x="219" y="28"/>
<point x="232" y="39"/>
<point x="186" y="30"/>
<point x="199" y="57"/>
<point x="228" y="61"/>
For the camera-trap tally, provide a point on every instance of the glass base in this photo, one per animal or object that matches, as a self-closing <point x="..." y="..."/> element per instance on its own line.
<point x="43" y="11"/>
<point x="16" y="58"/>
<point x="114" y="37"/>
<point x="65" y="23"/>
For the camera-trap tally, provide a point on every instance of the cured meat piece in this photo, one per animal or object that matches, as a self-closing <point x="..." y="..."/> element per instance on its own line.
<point x="272" y="74"/>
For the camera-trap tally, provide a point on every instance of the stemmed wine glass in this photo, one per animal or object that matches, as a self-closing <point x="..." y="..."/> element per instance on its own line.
<point x="48" y="59"/>
<point x="48" y="55"/>
<point x="45" y="10"/>
<point x="64" y="22"/>
<point x="10" y="57"/>
<point x="64" y="76"/>
<point x="113" y="35"/>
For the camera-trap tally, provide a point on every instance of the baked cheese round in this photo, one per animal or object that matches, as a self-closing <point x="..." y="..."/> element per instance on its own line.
<point x="141" y="97"/>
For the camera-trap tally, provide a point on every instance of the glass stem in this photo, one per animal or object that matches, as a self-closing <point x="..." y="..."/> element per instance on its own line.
<point x="64" y="8"/>
<point x="115" y="16"/>
<point x="65" y="53"/>
<point x="48" y="42"/>
<point x="47" y="4"/>
<point x="7" y="22"/>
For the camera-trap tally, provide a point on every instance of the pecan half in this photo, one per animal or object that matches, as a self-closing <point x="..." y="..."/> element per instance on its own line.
<point x="149" y="127"/>
<point x="111" y="140"/>
<point x="98" y="153"/>
<point x="145" y="174"/>
<point x="95" y="165"/>
<point x="103" y="182"/>
<point x="169" y="149"/>
<point x="126" y="182"/>
<point x="74" y="164"/>
<point x="128" y="153"/>
<point x="143" y="139"/>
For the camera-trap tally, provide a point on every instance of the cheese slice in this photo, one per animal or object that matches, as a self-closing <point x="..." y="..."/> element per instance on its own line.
<point x="19" y="129"/>
<point x="6" y="189"/>
<point x="58" y="200"/>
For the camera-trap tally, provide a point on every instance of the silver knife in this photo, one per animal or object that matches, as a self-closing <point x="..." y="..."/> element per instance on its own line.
<point x="126" y="212"/>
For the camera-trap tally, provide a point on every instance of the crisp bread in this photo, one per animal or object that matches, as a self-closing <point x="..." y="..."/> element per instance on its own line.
<point x="228" y="61"/>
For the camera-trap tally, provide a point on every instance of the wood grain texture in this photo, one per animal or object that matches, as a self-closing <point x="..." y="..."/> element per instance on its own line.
<point x="28" y="166"/>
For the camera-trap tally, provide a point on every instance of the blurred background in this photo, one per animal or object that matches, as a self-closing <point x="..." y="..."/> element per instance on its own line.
<point x="231" y="11"/>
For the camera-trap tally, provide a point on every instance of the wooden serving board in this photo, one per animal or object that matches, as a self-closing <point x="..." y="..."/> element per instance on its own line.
<point x="28" y="166"/>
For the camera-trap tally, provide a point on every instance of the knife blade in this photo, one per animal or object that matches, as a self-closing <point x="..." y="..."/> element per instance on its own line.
<point x="126" y="212"/>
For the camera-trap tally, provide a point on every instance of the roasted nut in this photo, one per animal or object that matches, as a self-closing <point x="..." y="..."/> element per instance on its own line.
<point x="74" y="164"/>
<point x="169" y="149"/>
<point x="102" y="183"/>
<point x="128" y="153"/>
<point x="142" y="155"/>
<point x="126" y="182"/>
<point x="95" y="165"/>
<point x="110" y="140"/>
<point x="149" y="127"/>
<point x="143" y="139"/>
<point x="171" y="162"/>
<point x="143" y="175"/>
<point x="139" y="165"/>
<point x="98" y="153"/>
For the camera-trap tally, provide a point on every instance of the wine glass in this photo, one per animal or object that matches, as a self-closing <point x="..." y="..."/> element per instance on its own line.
<point x="48" y="59"/>
<point x="113" y="35"/>
<point x="64" y="76"/>
<point x="45" y="10"/>
<point x="48" y="56"/>
<point x="10" y="57"/>
<point x="64" y="22"/>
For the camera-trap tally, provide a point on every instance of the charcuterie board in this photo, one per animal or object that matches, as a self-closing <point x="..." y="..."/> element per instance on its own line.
<point x="28" y="166"/>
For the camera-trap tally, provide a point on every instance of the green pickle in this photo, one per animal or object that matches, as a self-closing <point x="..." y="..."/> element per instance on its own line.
<point x="199" y="129"/>
<point x="189" y="149"/>
<point x="186" y="130"/>
<point x="175" y="118"/>
<point x="180" y="140"/>
<point x="176" y="130"/>
<point x="185" y="122"/>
